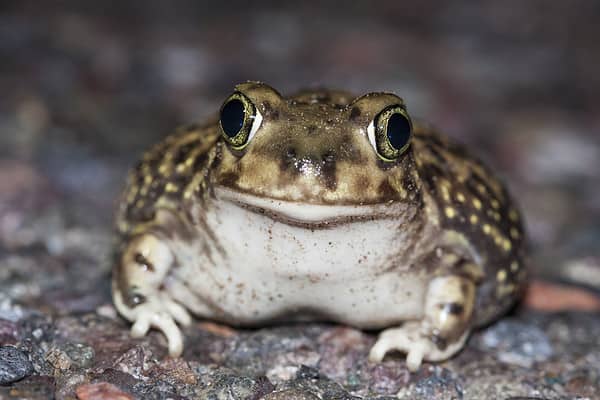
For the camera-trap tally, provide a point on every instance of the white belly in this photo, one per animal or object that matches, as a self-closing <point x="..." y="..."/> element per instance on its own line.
<point x="259" y="268"/>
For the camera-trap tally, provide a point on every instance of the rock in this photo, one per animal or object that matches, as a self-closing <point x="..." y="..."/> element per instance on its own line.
<point x="101" y="391"/>
<point x="517" y="343"/>
<point x="14" y="365"/>
<point x="434" y="383"/>
<point x="8" y="332"/>
<point x="291" y="394"/>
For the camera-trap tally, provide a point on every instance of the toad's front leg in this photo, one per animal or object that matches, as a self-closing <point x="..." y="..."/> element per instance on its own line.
<point x="443" y="330"/>
<point x="139" y="293"/>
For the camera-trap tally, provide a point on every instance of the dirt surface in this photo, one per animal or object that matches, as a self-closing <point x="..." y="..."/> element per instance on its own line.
<point x="85" y="88"/>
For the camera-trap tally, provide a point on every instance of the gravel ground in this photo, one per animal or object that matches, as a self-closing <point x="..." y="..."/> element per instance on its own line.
<point x="86" y="87"/>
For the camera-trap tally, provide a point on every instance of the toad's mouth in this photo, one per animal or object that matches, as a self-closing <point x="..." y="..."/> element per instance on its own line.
<point x="310" y="214"/>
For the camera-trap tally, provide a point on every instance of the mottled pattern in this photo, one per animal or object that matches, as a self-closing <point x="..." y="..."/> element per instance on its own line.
<point x="171" y="174"/>
<point x="473" y="203"/>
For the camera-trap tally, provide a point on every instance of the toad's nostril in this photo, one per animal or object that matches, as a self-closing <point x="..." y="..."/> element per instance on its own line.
<point x="328" y="158"/>
<point x="290" y="154"/>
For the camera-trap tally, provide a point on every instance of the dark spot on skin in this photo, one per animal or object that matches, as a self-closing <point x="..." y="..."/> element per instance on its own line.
<point x="355" y="113"/>
<point x="429" y="173"/>
<point x="183" y="152"/>
<point x="329" y="121"/>
<point x="386" y="191"/>
<point x="311" y="129"/>
<point x="200" y="162"/>
<point x="288" y="159"/>
<point x="328" y="171"/>
<point x="453" y="308"/>
<point x="229" y="179"/>
<point x="141" y="260"/>
<point x="437" y="155"/>
<point x="328" y="158"/>
<point x="439" y="341"/>
<point x="269" y="112"/>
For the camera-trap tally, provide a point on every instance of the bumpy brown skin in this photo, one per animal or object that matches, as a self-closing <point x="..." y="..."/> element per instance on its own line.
<point x="458" y="200"/>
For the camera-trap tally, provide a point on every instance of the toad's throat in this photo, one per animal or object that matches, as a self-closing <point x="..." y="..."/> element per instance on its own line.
<point x="309" y="214"/>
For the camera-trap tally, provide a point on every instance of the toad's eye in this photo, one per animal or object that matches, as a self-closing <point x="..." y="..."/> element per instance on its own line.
<point x="390" y="132"/>
<point x="239" y="120"/>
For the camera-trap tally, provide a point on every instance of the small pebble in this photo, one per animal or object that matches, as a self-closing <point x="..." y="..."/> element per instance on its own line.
<point x="14" y="365"/>
<point x="101" y="391"/>
<point x="518" y="343"/>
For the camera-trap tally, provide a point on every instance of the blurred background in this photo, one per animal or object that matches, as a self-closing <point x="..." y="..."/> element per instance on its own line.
<point x="86" y="86"/>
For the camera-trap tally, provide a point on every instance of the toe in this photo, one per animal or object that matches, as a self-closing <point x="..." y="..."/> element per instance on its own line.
<point x="179" y="313"/>
<point x="141" y="326"/>
<point x="377" y="352"/>
<point x="167" y="325"/>
<point x="414" y="358"/>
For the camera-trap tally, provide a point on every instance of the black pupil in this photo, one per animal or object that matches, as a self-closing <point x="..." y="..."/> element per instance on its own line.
<point x="398" y="131"/>
<point x="232" y="117"/>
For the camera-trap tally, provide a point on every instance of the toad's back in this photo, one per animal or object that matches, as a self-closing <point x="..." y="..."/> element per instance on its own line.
<point x="473" y="204"/>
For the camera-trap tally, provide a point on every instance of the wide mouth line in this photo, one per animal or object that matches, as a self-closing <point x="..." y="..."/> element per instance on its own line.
<point x="305" y="212"/>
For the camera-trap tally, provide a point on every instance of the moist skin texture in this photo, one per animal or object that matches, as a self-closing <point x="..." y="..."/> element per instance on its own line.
<point x="308" y="222"/>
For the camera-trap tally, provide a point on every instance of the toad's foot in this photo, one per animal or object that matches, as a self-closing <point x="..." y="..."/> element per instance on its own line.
<point x="162" y="313"/>
<point x="443" y="330"/>
<point x="139" y="291"/>
<point x="418" y="347"/>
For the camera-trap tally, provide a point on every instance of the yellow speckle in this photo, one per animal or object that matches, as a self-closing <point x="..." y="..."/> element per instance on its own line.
<point x="506" y="245"/>
<point x="513" y="215"/>
<point x="147" y="179"/>
<point x="487" y="229"/>
<point x="501" y="276"/>
<point x="190" y="161"/>
<point x="131" y="195"/>
<point x="514" y="266"/>
<point x="473" y="219"/>
<point x="477" y="203"/>
<point x="164" y="169"/>
<point x="481" y="188"/>
<point x="496" y="216"/>
<point x="171" y="188"/>
<point x="180" y="168"/>
<point x="504" y="290"/>
<point x="450" y="212"/>
<point x="445" y="191"/>
<point x="460" y="197"/>
<point x="139" y="203"/>
<point x="498" y="240"/>
<point x="495" y="203"/>
<point x="514" y="233"/>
